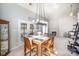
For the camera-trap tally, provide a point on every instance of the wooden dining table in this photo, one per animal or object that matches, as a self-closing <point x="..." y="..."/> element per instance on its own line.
<point x="38" y="42"/>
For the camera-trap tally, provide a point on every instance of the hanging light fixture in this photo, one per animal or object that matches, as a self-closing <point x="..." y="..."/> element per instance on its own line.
<point x="40" y="12"/>
<point x="71" y="11"/>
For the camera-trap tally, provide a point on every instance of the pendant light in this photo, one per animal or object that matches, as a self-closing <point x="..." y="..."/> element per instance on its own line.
<point x="71" y="11"/>
<point x="40" y="13"/>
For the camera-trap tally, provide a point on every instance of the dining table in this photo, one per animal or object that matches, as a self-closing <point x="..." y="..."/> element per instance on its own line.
<point x="38" y="40"/>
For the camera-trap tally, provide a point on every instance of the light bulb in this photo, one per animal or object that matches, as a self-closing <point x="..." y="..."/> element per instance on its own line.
<point x="71" y="14"/>
<point x="33" y="21"/>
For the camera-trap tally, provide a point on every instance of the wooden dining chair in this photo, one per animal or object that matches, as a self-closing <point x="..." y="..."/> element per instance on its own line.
<point x="46" y="46"/>
<point x="52" y="42"/>
<point x="28" y="48"/>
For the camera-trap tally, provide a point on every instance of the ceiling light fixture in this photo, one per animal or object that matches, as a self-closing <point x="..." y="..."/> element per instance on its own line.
<point x="71" y="11"/>
<point x="40" y="13"/>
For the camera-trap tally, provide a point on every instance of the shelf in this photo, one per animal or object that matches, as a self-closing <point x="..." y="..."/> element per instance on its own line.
<point x="4" y="40"/>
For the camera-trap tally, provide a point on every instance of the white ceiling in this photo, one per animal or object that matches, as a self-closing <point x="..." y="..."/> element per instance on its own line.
<point x="54" y="9"/>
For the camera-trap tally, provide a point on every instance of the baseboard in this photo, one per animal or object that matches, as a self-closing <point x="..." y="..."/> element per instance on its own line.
<point x="16" y="47"/>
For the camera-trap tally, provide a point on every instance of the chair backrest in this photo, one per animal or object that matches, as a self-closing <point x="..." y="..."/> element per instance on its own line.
<point x="52" y="39"/>
<point x="49" y="44"/>
<point x="46" y="41"/>
<point x="27" y="43"/>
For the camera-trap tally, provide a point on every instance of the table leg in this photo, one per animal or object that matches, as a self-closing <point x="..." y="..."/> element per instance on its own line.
<point x="39" y="49"/>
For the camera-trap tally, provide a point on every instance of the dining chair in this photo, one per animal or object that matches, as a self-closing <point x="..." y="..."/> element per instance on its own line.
<point x="47" y="45"/>
<point x="52" y="42"/>
<point x="28" y="48"/>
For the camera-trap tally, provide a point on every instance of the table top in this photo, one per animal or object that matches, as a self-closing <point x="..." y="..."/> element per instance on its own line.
<point x="39" y="38"/>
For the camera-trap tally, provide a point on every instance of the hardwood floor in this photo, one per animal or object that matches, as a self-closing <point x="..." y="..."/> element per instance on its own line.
<point x="60" y="49"/>
<point x="17" y="52"/>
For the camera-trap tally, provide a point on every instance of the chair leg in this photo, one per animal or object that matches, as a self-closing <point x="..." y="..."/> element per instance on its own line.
<point x="37" y="51"/>
<point x="30" y="53"/>
<point x="49" y="52"/>
<point x="41" y="51"/>
<point x="24" y="51"/>
<point x="24" y="54"/>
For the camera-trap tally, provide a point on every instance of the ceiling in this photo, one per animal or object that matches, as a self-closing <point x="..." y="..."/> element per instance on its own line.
<point x="53" y="9"/>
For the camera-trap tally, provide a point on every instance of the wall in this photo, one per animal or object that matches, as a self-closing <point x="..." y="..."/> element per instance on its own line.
<point x="61" y="24"/>
<point x="66" y="24"/>
<point x="15" y="15"/>
<point x="59" y="19"/>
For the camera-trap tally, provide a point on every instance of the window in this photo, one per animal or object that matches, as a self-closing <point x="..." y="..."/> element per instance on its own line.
<point x="23" y="28"/>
